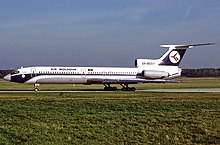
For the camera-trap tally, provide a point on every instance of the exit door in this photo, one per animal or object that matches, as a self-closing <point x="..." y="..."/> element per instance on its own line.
<point x="33" y="72"/>
<point x="83" y="73"/>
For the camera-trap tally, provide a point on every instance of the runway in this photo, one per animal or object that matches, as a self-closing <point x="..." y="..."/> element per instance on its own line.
<point x="196" y="90"/>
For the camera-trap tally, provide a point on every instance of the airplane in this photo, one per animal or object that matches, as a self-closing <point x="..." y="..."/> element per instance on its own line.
<point x="161" y="70"/>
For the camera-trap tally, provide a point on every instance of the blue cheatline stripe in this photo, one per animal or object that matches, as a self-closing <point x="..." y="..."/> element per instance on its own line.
<point x="20" y="79"/>
<point x="40" y="74"/>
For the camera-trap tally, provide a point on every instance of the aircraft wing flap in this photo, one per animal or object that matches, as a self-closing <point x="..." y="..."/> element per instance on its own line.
<point x="129" y="81"/>
<point x="137" y="81"/>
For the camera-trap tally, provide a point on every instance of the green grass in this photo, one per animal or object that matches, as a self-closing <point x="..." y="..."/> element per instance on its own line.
<point x="110" y="117"/>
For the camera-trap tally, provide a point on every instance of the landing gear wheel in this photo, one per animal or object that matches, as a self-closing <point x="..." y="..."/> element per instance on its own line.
<point x="36" y="89"/>
<point x="109" y="88"/>
<point x="126" y="88"/>
<point x="106" y="88"/>
<point x="115" y="88"/>
<point x="133" y="88"/>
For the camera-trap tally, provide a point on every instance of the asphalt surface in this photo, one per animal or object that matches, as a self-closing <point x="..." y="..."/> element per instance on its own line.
<point x="197" y="90"/>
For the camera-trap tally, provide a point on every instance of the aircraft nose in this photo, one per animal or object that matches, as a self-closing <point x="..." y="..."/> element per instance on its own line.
<point x="7" y="77"/>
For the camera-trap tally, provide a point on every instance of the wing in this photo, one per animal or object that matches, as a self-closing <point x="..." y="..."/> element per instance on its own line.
<point x="129" y="81"/>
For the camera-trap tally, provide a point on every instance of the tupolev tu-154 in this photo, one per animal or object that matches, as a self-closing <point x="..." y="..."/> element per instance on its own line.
<point x="161" y="70"/>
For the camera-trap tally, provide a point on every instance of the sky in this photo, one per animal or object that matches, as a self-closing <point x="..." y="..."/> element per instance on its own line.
<point x="106" y="32"/>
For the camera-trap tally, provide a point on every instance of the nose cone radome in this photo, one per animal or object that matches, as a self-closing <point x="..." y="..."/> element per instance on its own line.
<point x="8" y="77"/>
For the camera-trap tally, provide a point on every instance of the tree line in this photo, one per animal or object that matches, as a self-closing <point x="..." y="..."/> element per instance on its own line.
<point x="203" y="72"/>
<point x="4" y="72"/>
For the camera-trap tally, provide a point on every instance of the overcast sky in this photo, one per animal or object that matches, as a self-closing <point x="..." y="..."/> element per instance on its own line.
<point x="106" y="32"/>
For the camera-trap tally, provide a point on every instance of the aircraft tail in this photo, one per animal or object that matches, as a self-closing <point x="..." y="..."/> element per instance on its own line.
<point x="172" y="57"/>
<point x="175" y="53"/>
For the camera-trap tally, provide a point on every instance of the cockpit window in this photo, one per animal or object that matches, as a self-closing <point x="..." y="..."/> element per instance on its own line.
<point x="15" y="72"/>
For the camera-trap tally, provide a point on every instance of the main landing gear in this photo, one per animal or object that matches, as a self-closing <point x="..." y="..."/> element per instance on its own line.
<point x="124" y="88"/>
<point x="109" y="88"/>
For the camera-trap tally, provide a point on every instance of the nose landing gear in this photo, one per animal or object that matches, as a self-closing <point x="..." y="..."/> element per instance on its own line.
<point x="36" y="87"/>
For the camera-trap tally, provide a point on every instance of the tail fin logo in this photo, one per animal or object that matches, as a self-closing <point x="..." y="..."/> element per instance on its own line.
<point x="174" y="57"/>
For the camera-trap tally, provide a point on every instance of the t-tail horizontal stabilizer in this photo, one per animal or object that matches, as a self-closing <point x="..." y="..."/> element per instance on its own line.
<point x="175" y="53"/>
<point x="172" y="57"/>
<point x="185" y="46"/>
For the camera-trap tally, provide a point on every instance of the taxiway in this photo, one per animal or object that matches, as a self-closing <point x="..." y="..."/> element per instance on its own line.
<point x="196" y="90"/>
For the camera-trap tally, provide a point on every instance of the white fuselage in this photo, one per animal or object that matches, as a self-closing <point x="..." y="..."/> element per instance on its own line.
<point x="89" y="75"/>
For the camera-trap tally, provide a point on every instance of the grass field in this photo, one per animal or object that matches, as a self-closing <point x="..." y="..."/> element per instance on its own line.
<point x="110" y="118"/>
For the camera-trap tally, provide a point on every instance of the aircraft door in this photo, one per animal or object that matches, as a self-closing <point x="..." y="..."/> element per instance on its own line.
<point x="83" y="73"/>
<point x="33" y="72"/>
